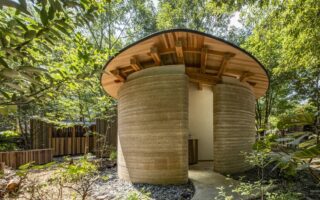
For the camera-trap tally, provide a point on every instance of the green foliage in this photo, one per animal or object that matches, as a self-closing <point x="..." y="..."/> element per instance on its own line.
<point x="8" y="147"/>
<point x="265" y="143"/>
<point x="105" y="178"/>
<point x="308" y="153"/>
<point x="78" y="176"/>
<point x="8" y="134"/>
<point x="113" y="155"/>
<point x="77" y="171"/>
<point x="133" y="196"/>
<point x="141" y="195"/>
<point x="8" y="140"/>
<point x="256" y="190"/>
<point x="299" y="116"/>
<point x="285" y="195"/>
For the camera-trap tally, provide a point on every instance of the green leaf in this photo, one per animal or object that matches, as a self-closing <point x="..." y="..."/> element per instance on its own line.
<point x="32" y="69"/>
<point x="20" y="7"/>
<point x="62" y="29"/>
<point x="6" y="95"/>
<point x="311" y="152"/>
<point x="49" y="41"/>
<point x="44" y="16"/>
<point x="29" y="78"/>
<point x="56" y="33"/>
<point x="10" y="73"/>
<point x="14" y="86"/>
<point x="3" y="63"/>
<point x="30" y="34"/>
<point x="21" y="24"/>
<point x="51" y="12"/>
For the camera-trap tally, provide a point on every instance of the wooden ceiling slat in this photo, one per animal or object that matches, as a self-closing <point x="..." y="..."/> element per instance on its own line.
<point x="204" y="58"/>
<point x="155" y="55"/>
<point x="178" y="47"/>
<point x="179" y="52"/>
<point x="135" y="64"/>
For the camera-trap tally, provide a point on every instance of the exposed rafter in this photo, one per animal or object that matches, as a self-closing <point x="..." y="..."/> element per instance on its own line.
<point x="195" y="51"/>
<point x="155" y="55"/>
<point x="135" y="64"/>
<point x="204" y="57"/>
<point x="179" y="52"/>
<point x="116" y="73"/>
<point x="224" y="63"/>
<point x="245" y="75"/>
<point x="201" y="78"/>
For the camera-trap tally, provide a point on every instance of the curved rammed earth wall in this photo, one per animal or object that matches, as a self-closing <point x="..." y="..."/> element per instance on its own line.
<point x="153" y="126"/>
<point x="234" y="126"/>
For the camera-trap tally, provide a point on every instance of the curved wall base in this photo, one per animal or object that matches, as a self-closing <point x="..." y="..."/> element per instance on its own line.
<point x="153" y="126"/>
<point x="234" y="126"/>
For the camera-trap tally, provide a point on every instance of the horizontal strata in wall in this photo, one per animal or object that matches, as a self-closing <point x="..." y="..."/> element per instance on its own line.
<point x="234" y="126"/>
<point x="153" y="126"/>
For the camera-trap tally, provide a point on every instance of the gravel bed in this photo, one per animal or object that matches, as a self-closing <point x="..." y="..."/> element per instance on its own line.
<point x="115" y="188"/>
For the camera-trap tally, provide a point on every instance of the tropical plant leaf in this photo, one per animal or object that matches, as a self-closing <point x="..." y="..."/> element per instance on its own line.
<point x="13" y="4"/>
<point x="51" y="12"/>
<point x="30" y="34"/>
<point x="3" y="62"/>
<point x="29" y="78"/>
<point x="6" y="95"/>
<point x="310" y="152"/>
<point x="14" y="86"/>
<point x="32" y="69"/>
<point x="10" y="73"/>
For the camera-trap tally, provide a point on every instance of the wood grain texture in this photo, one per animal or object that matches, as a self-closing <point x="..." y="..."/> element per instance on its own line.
<point x="195" y="50"/>
<point x="234" y="129"/>
<point x="15" y="159"/>
<point x="153" y="127"/>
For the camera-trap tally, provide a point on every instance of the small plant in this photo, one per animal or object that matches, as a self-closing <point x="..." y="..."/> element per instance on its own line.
<point x="222" y="195"/>
<point x="133" y="196"/>
<point x="78" y="176"/>
<point x="8" y="141"/>
<point x="113" y="155"/>
<point x="105" y="178"/>
<point x="142" y="195"/>
<point x="282" y="195"/>
<point x="26" y="187"/>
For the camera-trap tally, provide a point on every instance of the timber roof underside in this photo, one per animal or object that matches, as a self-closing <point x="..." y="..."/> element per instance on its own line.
<point x="205" y="57"/>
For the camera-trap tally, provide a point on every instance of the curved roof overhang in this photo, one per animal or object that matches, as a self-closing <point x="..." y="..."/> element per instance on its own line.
<point x="206" y="58"/>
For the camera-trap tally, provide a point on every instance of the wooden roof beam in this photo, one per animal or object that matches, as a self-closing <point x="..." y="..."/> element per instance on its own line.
<point x="117" y="74"/>
<point x="195" y="51"/>
<point x="135" y="64"/>
<point x="224" y="63"/>
<point x="202" y="78"/>
<point x="155" y="55"/>
<point x="245" y="75"/>
<point x="179" y="52"/>
<point x="204" y="57"/>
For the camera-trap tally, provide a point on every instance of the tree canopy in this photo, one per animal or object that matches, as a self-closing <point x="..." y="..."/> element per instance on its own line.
<point x="52" y="52"/>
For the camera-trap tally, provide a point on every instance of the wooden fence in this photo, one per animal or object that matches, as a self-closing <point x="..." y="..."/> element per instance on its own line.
<point x="107" y="137"/>
<point x="16" y="158"/>
<point x="73" y="140"/>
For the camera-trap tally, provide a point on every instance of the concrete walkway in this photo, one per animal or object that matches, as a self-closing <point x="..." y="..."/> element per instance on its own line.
<point x="207" y="182"/>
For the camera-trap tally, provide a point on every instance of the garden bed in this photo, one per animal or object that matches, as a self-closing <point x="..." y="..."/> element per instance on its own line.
<point x="303" y="183"/>
<point x="39" y="185"/>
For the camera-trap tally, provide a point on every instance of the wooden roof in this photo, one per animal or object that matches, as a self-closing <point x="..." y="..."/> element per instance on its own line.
<point x="206" y="58"/>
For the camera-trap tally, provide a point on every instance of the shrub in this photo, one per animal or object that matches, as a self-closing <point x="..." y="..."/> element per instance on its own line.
<point x="113" y="155"/>
<point x="78" y="176"/>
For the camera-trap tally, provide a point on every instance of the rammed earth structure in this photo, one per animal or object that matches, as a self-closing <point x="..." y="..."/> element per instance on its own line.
<point x="179" y="82"/>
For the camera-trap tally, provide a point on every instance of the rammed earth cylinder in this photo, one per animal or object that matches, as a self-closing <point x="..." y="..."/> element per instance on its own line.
<point x="153" y="126"/>
<point x="234" y="126"/>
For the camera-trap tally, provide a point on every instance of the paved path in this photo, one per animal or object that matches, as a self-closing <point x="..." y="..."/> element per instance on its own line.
<point x="206" y="182"/>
